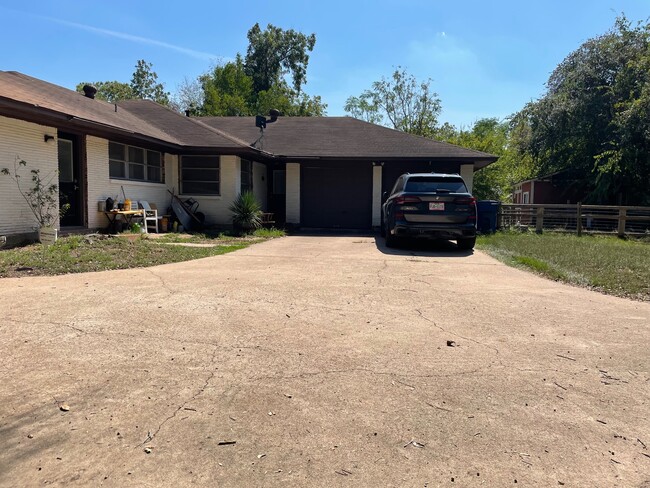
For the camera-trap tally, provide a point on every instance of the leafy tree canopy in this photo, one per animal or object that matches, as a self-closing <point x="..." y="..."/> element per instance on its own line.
<point x="273" y="53"/>
<point x="257" y="83"/>
<point x="144" y="85"/>
<point x="400" y="102"/>
<point x="594" y="118"/>
<point x="491" y="136"/>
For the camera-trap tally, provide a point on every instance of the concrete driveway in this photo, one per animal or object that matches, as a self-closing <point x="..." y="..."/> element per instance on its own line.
<point x="322" y="361"/>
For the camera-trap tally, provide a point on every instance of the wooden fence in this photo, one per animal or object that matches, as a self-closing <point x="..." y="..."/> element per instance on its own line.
<point x="576" y="218"/>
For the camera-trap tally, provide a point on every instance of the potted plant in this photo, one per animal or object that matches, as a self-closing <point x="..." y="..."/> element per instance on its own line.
<point x="247" y="212"/>
<point x="42" y="196"/>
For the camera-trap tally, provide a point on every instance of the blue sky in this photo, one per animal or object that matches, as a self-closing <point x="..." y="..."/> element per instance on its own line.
<point x="486" y="59"/>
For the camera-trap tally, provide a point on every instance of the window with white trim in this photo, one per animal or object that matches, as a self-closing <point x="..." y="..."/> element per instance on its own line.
<point x="134" y="163"/>
<point x="200" y="175"/>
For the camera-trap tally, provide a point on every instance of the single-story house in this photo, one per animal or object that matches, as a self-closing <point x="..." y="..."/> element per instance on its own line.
<point x="561" y="187"/>
<point x="320" y="172"/>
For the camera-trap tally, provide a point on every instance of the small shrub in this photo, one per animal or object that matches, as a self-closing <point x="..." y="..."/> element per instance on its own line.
<point x="247" y="212"/>
<point x="42" y="195"/>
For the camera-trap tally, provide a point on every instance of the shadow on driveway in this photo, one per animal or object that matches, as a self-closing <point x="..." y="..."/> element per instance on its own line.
<point x="405" y="247"/>
<point x="422" y="247"/>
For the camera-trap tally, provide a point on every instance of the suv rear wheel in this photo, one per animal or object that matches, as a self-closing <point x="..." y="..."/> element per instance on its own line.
<point x="391" y="240"/>
<point x="466" y="244"/>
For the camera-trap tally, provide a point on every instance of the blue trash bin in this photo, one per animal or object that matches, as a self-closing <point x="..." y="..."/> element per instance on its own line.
<point x="487" y="210"/>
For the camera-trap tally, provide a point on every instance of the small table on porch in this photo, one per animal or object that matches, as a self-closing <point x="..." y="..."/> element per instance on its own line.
<point x="127" y="215"/>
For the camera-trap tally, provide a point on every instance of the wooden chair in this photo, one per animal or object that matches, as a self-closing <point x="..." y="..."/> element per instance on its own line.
<point x="150" y="216"/>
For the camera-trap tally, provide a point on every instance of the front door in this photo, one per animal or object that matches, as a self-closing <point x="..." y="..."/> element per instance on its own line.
<point x="69" y="181"/>
<point x="277" y="193"/>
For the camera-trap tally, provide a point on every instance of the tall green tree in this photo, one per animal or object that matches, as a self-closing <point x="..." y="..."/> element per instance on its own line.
<point x="401" y="102"/>
<point x="364" y="107"/>
<point x="273" y="53"/>
<point x="228" y="90"/>
<point x="492" y="136"/>
<point x="594" y="118"/>
<point x="258" y="83"/>
<point x="144" y="85"/>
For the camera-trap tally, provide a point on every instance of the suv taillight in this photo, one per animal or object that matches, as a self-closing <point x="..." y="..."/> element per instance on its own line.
<point x="403" y="200"/>
<point x="465" y="201"/>
<point x="471" y="201"/>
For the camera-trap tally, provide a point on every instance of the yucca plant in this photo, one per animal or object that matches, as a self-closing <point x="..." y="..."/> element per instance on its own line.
<point x="246" y="212"/>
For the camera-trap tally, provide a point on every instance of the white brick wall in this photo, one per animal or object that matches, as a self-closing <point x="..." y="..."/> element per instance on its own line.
<point x="293" y="193"/>
<point x="25" y="140"/>
<point x="215" y="208"/>
<point x="100" y="186"/>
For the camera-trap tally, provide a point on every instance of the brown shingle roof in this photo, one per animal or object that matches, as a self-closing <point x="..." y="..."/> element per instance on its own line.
<point x="188" y="131"/>
<point x="339" y="137"/>
<point x="135" y="117"/>
<point x="288" y="137"/>
<point x="41" y="94"/>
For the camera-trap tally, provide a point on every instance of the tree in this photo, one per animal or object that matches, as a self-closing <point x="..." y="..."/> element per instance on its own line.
<point x="401" y="102"/>
<point x="228" y="89"/>
<point x="144" y="85"/>
<point x="492" y="136"/>
<point x="593" y="118"/>
<point x="188" y="96"/>
<point x="273" y="53"/>
<point x="364" y="107"/>
<point x="109" y="91"/>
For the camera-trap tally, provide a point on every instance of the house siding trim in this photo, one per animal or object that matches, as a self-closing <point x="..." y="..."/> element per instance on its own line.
<point x="293" y="193"/>
<point x="467" y="173"/>
<point x="376" y="195"/>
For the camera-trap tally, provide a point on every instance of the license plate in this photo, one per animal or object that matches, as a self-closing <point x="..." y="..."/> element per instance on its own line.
<point x="436" y="206"/>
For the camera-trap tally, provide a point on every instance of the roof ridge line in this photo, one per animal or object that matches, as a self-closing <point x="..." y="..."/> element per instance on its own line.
<point x="227" y="136"/>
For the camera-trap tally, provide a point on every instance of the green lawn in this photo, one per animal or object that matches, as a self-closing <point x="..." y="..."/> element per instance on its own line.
<point x="608" y="264"/>
<point x="78" y="254"/>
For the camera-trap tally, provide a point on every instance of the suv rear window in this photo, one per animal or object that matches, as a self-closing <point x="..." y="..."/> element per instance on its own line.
<point x="425" y="184"/>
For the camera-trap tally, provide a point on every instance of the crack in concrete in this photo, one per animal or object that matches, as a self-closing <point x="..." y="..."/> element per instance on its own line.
<point x="494" y="348"/>
<point x="162" y="281"/>
<point x="147" y="337"/>
<point x="371" y="372"/>
<point x="59" y="324"/>
<point x="384" y="267"/>
<point x="206" y="383"/>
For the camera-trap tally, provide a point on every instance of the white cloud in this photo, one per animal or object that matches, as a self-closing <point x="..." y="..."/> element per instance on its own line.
<point x="137" y="39"/>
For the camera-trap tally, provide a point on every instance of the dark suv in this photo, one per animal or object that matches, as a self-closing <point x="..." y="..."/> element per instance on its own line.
<point x="432" y="205"/>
